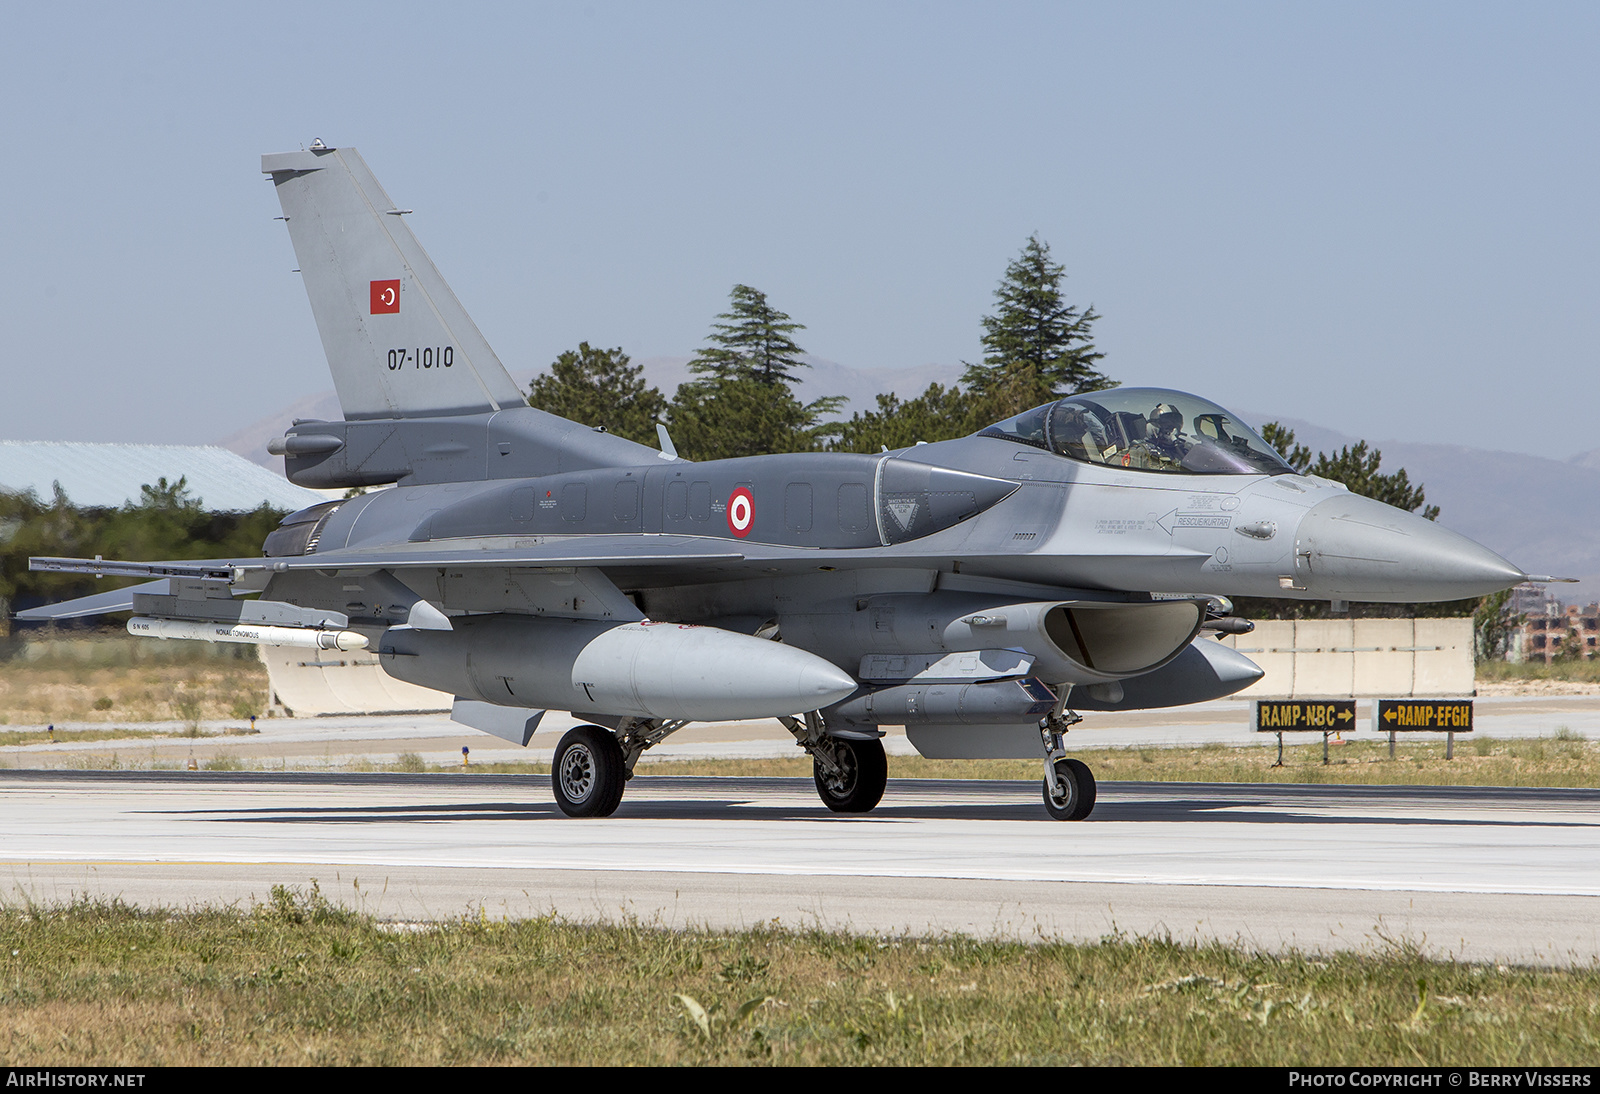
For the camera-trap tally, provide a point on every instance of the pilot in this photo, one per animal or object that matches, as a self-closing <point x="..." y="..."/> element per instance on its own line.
<point x="1164" y="445"/>
<point x="1078" y="432"/>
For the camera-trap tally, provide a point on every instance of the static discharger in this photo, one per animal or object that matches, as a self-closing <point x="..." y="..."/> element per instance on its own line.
<point x="1325" y="716"/>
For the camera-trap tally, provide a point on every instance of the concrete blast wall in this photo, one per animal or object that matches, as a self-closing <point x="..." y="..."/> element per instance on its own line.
<point x="309" y="682"/>
<point x="1360" y="658"/>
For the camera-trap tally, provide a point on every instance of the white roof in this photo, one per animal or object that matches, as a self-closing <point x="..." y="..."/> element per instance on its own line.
<point x="107" y="476"/>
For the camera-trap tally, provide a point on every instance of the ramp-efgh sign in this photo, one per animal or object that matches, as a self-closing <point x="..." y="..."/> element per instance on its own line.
<point x="1412" y="715"/>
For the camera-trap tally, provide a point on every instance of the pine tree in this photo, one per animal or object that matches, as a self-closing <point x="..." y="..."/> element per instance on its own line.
<point x="938" y="414"/>
<point x="1357" y="467"/>
<point x="742" y="403"/>
<point x="1494" y="627"/>
<point x="751" y="343"/>
<point x="599" y="387"/>
<point x="1281" y="438"/>
<point x="718" y="420"/>
<point x="1036" y="346"/>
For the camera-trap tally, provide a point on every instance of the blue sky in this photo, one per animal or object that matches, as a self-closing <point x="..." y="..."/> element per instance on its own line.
<point x="1377" y="217"/>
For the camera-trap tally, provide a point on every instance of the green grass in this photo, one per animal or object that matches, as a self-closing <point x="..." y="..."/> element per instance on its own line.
<point x="299" y="981"/>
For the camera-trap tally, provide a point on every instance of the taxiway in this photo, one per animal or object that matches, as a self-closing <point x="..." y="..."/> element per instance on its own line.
<point x="1479" y="874"/>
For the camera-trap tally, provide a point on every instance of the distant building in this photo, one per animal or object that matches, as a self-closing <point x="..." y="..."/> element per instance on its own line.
<point x="1531" y="599"/>
<point x="109" y="476"/>
<point x="1549" y="626"/>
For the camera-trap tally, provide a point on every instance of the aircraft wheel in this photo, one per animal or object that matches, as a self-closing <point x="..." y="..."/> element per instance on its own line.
<point x="865" y="774"/>
<point x="588" y="772"/>
<point x="1077" y="782"/>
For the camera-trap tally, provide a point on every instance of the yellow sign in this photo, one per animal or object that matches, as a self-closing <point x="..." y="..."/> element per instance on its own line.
<point x="1439" y="715"/>
<point x="1315" y="715"/>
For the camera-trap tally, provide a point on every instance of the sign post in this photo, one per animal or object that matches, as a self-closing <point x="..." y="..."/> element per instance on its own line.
<point x="1447" y="716"/>
<point x="1325" y="716"/>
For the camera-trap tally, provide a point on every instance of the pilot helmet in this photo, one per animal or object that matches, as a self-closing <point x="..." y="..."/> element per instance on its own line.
<point x="1166" y="418"/>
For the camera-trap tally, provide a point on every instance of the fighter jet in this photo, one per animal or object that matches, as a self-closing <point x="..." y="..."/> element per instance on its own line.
<point x="985" y="593"/>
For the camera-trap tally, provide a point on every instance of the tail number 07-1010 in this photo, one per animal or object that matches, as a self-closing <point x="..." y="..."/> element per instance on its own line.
<point x="422" y="357"/>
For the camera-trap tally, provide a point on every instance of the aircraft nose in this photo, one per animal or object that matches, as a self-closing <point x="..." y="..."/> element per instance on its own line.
<point x="1356" y="548"/>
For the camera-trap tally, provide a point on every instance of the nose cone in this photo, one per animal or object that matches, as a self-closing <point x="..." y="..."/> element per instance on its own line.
<point x="1359" y="549"/>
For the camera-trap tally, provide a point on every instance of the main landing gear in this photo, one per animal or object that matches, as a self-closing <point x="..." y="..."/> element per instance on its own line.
<point x="850" y="771"/>
<point x="592" y="764"/>
<point x="588" y="772"/>
<point x="1069" y="787"/>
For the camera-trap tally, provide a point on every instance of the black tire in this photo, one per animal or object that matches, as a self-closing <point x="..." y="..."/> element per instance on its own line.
<point x="587" y="773"/>
<point x="1078" y="782"/>
<point x="866" y="773"/>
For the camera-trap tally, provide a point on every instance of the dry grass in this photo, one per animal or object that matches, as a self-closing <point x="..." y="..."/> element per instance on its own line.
<point x="14" y="738"/>
<point x="297" y="981"/>
<point x="131" y="680"/>
<point x="1583" y="672"/>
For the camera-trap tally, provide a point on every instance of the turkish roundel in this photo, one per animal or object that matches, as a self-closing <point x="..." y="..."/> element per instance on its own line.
<point x="386" y="297"/>
<point x="741" y="512"/>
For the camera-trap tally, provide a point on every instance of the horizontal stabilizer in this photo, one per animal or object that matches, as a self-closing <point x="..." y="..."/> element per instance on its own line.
<point x="118" y="600"/>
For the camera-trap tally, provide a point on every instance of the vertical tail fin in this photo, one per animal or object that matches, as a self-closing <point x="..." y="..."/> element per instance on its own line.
<point x="399" y="343"/>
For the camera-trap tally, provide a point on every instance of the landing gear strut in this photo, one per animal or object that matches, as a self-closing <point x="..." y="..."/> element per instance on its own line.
<point x="850" y="772"/>
<point x="1069" y="786"/>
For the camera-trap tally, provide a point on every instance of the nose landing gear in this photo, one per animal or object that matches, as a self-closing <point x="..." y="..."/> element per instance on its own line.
<point x="1069" y="786"/>
<point x="1070" y="795"/>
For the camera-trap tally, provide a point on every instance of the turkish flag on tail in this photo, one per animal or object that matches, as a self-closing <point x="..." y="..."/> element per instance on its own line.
<point x="385" y="297"/>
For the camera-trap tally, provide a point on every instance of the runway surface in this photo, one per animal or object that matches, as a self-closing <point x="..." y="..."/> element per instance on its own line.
<point x="1480" y="874"/>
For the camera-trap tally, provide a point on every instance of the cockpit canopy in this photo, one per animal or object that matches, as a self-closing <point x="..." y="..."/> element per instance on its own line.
<point x="1144" y="429"/>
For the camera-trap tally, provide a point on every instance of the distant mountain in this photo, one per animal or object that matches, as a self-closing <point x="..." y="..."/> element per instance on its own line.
<point x="1542" y="514"/>
<point x="1589" y="459"/>
<point x="251" y="441"/>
